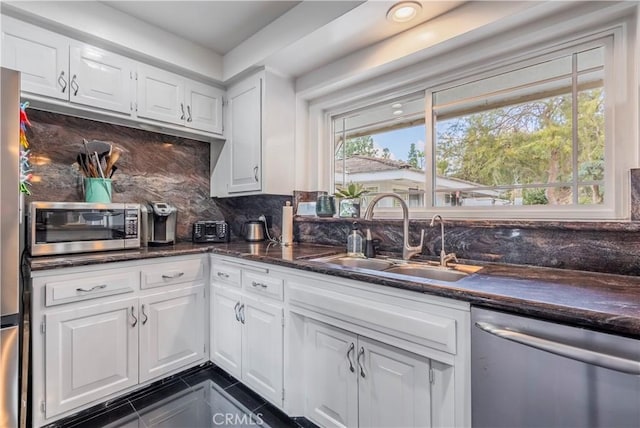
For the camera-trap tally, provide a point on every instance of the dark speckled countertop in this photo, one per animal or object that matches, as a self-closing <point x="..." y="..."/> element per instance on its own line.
<point x="603" y="302"/>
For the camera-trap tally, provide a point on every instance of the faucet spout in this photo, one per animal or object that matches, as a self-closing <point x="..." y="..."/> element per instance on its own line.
<point x="444" y="257"/>
<point x="408" y="251"/>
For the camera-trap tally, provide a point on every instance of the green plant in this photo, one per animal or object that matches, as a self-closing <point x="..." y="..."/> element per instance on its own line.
<point x="352" y="191"/>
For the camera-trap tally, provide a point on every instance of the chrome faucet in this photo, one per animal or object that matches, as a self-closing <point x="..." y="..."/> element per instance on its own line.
<point x="444" y="257"/>
<point x="407" y="250"/>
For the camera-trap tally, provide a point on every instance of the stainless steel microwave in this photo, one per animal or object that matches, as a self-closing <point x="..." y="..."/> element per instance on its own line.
<point x="78" y="227"/>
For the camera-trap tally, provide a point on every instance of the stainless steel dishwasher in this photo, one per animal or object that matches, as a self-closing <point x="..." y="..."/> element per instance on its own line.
<point x="531" y="373"/>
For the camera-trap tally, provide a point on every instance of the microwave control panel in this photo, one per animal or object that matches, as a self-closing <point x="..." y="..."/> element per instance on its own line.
<point x="131" y="223"/>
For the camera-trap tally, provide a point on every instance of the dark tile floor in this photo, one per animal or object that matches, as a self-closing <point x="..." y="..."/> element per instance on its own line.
<point x="203" y="397"/>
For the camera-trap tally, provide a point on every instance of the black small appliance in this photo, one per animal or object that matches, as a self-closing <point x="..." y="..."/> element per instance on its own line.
<point x="210" y="231"/>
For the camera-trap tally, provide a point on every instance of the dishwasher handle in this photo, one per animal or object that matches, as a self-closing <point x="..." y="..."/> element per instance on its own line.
<point x="562" y="349"/>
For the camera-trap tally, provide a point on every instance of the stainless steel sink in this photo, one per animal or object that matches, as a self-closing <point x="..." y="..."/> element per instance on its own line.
<point x="427" y="270"/>
<point x="342" y="260"/>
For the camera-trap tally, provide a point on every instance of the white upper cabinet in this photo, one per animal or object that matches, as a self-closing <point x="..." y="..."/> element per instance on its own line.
<point x="258" y="156"/>
<point x="100" y="78"/>
<point x="58" y="67"/>
<point x="61" y="72"/>
<point x="204" y="107"/>
<point x="171" y="98"/>
<point x="160" y="95"/>
<point x="40" y="55"/>
<point x="244" y="135"/>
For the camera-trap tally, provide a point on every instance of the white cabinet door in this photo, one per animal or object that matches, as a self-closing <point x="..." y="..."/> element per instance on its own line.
<point x="226" y="330"/>
<point x="91" y="352"/>
<point x="332" y="386"/>
<point x="393" y="386"/>
<point x="160" y="95"/>
<point x="204" y="107"/>
<point x="172" y="332"/>
<point x="40" y="55"/>
<point x="244" y="135"/>
<point x="99" y="78"/>
<point x="262" y="347"/>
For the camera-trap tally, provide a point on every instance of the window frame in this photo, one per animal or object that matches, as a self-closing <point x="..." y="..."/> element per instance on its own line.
<point x="617" y="150"/>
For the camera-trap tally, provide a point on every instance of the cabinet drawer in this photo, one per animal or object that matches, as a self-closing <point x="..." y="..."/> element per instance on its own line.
<point x="90" y="285"/>
<point x="160" y="275"/>
<point x="225" y="274"/>
<point x="262" y="283"/>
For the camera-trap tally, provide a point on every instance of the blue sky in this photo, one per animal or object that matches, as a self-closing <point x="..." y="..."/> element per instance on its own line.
<point x="398" y="141"/>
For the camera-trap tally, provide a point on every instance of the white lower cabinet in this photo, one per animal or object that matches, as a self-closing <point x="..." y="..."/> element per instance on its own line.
<point x="332" y="389"/>
<point x="226" y="330"/>
<point x="97" y="333"/>
<point x="363" y="355"/>
<point x="90" y="352"/>
<point x="262" y="347"/>
<point x="356" y="381"/>
<point x="246" y="340"/>
<point x="247" y="327"/>
<point x="393" y="387"/>
<point x="172" y="331"/>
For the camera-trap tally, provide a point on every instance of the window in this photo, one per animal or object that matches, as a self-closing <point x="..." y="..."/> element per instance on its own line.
<point x="383" y="148"/>
<point x="531" y="137"/>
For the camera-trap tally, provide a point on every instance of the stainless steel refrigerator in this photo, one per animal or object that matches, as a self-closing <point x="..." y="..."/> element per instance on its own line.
<point x="10" y="247"/>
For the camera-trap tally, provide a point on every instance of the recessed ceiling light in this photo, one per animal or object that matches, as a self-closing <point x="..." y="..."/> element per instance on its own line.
<point x="397" y="112"/>
<point x="404" y="11"/>
<point x="396" y="105"/>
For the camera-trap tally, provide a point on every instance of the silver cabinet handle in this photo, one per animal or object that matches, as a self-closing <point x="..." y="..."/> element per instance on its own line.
<point x="360" y="364"/>
<point x="146" y="318"/>
<point x="258" y="284"/>
<point x="349" y="352"/>
<point x="74" y="85"/>
<point x="174" y="276"/>
<point x="241" y="313"/>
<point x="235" y="309"/>
<point x="223" y="275"/>
<point x="578" y="354"/>
<point x="94" y="288"/>
<point x="255" y="173"/>
<point x="62" y="82"/>
<point x="135" y="320"/>
<point x="189" y="118"/>
<point x="182" y="109"/>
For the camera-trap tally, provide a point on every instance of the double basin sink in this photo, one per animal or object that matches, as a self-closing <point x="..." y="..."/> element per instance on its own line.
<point x="426" y="270"/>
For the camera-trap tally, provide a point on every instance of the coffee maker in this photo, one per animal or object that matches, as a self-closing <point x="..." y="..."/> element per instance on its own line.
<point x="161" y="224"/>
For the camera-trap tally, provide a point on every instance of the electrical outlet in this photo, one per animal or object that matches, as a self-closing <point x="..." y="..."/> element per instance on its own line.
<point x="268" y="220"/>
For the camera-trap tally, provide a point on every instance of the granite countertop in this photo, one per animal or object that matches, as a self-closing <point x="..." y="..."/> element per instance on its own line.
<point x="603" y="302"/>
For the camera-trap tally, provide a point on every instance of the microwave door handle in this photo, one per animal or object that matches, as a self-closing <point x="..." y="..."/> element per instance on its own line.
<point x="562" y="349"/>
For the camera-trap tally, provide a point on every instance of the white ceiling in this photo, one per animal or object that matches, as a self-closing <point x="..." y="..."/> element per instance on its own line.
<point x="227" y="27"/>
<point x="217" y="25"/>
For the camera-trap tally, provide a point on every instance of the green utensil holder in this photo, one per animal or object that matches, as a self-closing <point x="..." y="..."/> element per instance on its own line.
<point x="97" y="190"/>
